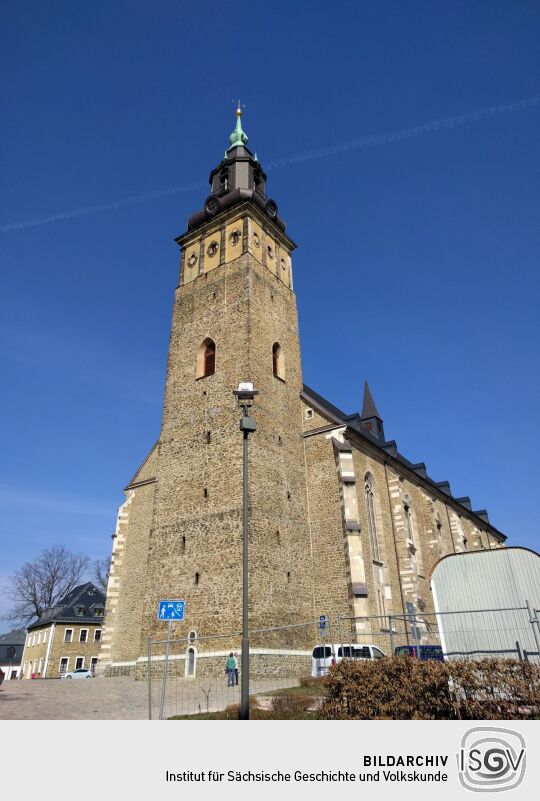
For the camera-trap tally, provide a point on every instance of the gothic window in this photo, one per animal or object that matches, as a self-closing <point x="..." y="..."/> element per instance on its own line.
<point x="278" y="361"/>
<point x="206" y="358"/>
<point x="412" y="537"/>
<point x="372" y="524"/>
<point x="439" y="528"/>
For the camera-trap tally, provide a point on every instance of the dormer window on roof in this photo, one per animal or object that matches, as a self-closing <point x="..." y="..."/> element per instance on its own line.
<point x="80" y="611"/>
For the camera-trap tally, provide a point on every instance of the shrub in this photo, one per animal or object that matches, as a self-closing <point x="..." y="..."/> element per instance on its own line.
<point x="312" y="681"/>
<point x="398" y="688"/>
<point x="404" y="688"/>
<point x="289" y="707"/>
<point x="494" y="689"/>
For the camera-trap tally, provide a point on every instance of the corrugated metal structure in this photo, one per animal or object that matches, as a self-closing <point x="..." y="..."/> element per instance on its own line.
<point x="506" y="582"/>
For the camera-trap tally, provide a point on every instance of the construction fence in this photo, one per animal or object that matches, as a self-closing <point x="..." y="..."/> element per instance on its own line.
<point x="189" y="675"/>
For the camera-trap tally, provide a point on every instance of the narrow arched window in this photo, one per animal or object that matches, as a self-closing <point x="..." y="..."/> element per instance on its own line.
<point x="278" y="361"/>
<point x="372" y="523"/>
<point x="412" y="537"/>
<point x="206" y="358"/>
<point x="190" y="662"/>
<point x="224" y="181"/>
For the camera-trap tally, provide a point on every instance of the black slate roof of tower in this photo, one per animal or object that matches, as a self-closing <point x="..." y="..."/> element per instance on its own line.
<point x="85" y="597"/>
<point x="239" y="177"/>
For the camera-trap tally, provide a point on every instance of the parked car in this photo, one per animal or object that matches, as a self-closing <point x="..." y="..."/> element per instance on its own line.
<point x="325" y="655"/>
<point x="422" y="652"/>
<point x="80" y="673"/>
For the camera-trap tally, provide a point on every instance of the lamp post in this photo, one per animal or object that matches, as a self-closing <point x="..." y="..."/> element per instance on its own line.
<point x="245" y="395"/>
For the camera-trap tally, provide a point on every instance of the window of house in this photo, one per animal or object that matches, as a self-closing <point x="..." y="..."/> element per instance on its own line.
<point x="64" y="664"/>
<point x="278" y="361"/>
<point x="83" y="636"/>
<point x="372" y="523"/>
<point x="68" y="635"/>
<point x="206" y="358"/>
<point x="97" y="635"/>
<point x="93" y="663"/>
<point x="192" y="636"/>
<point x="79" y="662"/>
<point x="98" y="611"/>
<point x="308" y="414"/>
<point x="80" y="611"/>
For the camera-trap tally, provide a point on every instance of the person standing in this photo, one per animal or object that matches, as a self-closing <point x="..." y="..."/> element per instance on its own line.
<point x="229" y="667"/>
<point x="236" y="671"/>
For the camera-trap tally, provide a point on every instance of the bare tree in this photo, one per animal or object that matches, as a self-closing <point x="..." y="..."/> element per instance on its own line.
<point x="40" y="584"/>
<point x="100" y="572"/>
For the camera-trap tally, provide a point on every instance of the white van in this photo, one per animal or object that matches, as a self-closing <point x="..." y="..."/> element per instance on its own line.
<point x="327" y="654"/>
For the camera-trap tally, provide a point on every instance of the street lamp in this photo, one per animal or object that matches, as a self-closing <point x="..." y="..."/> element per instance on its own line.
<point x="245" y="395"/>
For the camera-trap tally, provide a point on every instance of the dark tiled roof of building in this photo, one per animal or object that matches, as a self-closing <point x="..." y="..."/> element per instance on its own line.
<point x="11" y="647"/>
<point x="390" y="449"/>
<point x="13" y="637"/>
<point x="79" y="606"/>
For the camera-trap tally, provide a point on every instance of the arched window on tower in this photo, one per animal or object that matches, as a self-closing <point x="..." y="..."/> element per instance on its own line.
<point x="278" y="361"/>
<point x="206" y="358"/>
<point x="372" y="523"/>
<point x="224" y="181"/>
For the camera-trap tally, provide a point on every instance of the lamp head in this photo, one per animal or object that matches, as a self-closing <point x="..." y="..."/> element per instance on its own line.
<point x="246" y="391"/>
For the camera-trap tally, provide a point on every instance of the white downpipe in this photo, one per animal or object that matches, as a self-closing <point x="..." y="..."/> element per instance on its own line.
<point x="49" y="644"/>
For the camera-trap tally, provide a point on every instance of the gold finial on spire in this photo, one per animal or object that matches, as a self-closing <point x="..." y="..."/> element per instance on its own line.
<point x="239" y="107"/>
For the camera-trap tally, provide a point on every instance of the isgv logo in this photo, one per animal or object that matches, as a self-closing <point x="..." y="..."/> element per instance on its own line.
<point x="491" y="759"/>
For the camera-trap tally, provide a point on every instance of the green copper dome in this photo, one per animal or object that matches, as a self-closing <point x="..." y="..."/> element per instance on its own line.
<point x="238" y="137"/>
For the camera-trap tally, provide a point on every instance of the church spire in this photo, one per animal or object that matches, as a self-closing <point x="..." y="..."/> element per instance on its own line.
<point x="238" y="178"/>
<point x="370" y="417"/>
<point x="238" y="138"/>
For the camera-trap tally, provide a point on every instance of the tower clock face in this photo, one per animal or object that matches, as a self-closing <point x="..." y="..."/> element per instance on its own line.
<point x="271" y="209"/>
<point x="211" y="205"/>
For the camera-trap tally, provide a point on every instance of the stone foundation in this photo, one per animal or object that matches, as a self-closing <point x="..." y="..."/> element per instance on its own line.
<point x="262" y="665"/>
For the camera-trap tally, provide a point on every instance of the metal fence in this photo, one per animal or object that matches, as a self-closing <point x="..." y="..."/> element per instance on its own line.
<point x="188" y="676"/>
<point x="512" y="632"/>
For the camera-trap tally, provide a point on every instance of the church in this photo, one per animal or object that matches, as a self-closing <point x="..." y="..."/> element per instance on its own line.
<point x="341" y="523"/>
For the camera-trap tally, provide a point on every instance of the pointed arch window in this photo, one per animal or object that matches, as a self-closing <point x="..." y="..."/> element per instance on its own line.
<point x="278" y="361"/>
<point x="412" y="537"/>
<point x="206" y="358"/>
<point x="372" y="523"/>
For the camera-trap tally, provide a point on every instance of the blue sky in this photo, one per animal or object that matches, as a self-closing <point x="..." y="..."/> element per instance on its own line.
<point x="401" y="142"/>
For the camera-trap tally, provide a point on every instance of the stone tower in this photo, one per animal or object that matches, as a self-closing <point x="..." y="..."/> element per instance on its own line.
<point x="234" y="319"/>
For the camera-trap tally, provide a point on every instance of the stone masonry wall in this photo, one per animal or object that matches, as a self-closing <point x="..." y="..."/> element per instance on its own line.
<point x="195" y="547"/>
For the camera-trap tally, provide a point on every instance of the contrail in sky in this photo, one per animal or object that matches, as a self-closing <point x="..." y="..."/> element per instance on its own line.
<point x="376" y="140"/>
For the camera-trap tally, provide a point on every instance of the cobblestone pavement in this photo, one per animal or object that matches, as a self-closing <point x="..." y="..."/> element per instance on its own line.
<point x="115" y="698"/>
<point x="82" y="699"/>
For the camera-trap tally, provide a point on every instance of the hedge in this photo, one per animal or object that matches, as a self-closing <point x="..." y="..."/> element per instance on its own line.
<point x="405" y="688"/>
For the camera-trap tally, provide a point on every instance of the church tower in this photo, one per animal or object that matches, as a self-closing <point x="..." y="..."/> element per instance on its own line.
<point x="234" y="319"/>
